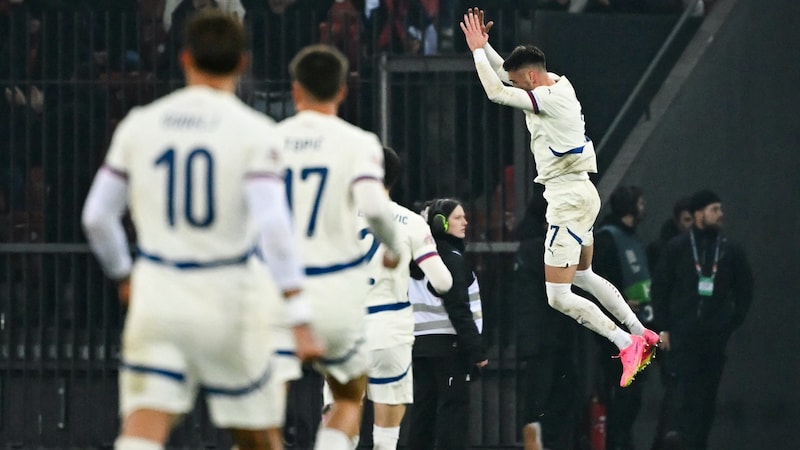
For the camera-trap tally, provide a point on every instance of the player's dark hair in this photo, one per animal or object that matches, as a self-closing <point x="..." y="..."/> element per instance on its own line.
<point x="523" y="56"/>
<point x="393" y="167"/>
<point x="216" y="41"/>
<point x="321" y="70"/>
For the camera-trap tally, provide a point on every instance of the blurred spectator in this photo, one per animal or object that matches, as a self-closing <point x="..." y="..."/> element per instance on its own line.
<point x="176" y="13"/>
<point x="546" y="343"/>
<point x="277" y="30"/>
<point x="342" y="29"/>
<point x="702" y="290"/>
<point x="171" y="6"/>
<point x="680" y="222"/>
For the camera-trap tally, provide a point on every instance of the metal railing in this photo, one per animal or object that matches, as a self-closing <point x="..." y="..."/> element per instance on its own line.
<point x="69" y="76"/>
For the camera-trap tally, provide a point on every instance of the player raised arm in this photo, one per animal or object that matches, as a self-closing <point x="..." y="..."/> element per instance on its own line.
<point x="495" y="60"/>
<point x="477" y="41"/>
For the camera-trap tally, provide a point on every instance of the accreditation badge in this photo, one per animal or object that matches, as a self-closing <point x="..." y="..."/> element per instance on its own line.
<point x="705" y="286"/>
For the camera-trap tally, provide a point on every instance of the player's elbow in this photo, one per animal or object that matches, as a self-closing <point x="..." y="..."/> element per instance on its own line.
<point x="496" y="96"/>
<point x="92" y="220"/>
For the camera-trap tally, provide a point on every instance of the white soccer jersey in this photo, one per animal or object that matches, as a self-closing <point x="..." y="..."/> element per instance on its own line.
<point x="390" y="319"/>
<point x="186" y="157"/>
<point x="553" y="115"/>
<point x="558" y="136"/>
<point x="325" y="156"/>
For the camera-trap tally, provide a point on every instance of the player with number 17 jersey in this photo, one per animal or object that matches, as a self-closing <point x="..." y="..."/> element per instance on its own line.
<point x="327" y="158"/>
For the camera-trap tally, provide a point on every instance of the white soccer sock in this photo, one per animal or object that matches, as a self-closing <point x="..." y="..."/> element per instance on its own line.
<point x="610" y="298"/>
<point x="332" y="439"/>
<point x="385" y="438"/>
<point x="585" y="312"/>
<point x="135" y="443"/>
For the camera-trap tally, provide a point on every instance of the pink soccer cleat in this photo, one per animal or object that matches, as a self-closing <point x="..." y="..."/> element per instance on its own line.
<point x="631" y="359"/>
<point x="651" y="340"/>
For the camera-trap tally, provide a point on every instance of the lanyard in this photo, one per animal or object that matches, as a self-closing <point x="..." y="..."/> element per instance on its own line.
<point x="697" y="265"/>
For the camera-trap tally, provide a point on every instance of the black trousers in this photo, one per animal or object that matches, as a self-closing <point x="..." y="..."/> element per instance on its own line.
<point x="550" y="397"/>
<point x="698" y="371"/>
<point x="622" y="404"/>
<point x="439" y="417"/>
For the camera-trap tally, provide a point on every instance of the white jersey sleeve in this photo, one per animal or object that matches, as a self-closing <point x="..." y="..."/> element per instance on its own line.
<point x="266" y="199"/>
<point x="496" y="61"/>
<point x="496" y="91"/>
<point x="101" y="215"/>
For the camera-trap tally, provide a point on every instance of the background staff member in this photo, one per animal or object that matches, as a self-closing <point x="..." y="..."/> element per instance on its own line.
<point x="448" y="344"/>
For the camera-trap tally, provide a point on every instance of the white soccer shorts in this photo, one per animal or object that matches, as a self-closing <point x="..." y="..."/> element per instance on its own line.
<point x="572" y="209"/>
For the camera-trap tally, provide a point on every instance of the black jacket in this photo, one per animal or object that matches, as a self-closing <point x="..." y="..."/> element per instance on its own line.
<point x="679" y="308"/>
<point x="605" y="260"/>
<point x="468" y="341"/>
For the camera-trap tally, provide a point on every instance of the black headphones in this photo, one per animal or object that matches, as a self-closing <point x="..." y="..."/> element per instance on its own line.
<point x="437" y="219"/>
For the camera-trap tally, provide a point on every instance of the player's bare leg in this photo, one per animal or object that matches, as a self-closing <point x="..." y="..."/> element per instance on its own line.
<point x="275" y="437"/>
<point x="252" y="439"/>
<point x="145" y="429"/>
<point x="344" y="418"/>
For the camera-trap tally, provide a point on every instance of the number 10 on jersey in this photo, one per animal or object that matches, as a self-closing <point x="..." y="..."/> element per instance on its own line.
<point x="184" y="171"/>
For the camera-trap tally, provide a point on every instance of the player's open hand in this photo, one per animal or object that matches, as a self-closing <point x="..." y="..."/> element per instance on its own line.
<point x="474" y="30"/>
<point x="307" y="345"/>
<point x="485" y="27"/>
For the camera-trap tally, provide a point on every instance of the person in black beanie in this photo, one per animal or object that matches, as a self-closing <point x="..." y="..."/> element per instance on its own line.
<point x="448" y="349"/>
<point x="701" y="292"/>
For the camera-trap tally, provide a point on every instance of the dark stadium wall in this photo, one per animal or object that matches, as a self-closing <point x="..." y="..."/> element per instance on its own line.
<point x="734" y="128"/>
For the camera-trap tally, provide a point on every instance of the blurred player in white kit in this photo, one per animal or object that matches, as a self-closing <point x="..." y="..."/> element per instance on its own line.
<point x="202" y="176"/>
<point x="335" y="170"/>
<point x="390" y="318"/>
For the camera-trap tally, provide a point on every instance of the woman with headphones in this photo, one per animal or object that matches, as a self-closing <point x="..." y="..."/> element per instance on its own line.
<point x="448" y="347"/>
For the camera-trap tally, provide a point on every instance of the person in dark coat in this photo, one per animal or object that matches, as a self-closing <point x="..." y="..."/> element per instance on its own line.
<point x="448" y="348"/>
<point x="702" y="290"/>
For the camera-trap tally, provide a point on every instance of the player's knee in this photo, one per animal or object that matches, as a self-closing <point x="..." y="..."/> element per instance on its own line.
<point x="352" y="391"/>
<point x="558" y="295"/>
